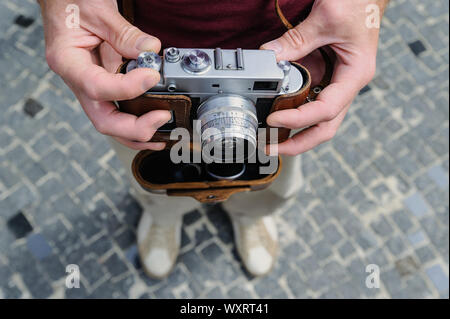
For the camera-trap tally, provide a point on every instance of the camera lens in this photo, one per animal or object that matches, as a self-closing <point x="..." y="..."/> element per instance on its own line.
<point x="225" y="171"/>
<point x="228" y="128"/>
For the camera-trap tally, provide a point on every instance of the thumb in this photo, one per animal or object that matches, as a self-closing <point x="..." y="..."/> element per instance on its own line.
<point x="127" y="39"/>
<point x="297" y="42"/>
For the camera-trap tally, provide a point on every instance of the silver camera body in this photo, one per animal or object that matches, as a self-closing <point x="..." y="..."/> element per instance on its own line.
<point x="230" y="88"/>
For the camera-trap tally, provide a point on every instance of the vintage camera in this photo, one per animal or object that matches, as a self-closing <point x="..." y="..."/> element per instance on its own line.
<point x="231" y="93"/>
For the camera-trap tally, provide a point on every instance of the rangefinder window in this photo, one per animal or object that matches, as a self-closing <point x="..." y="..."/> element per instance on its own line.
<point x="265" y="86"/>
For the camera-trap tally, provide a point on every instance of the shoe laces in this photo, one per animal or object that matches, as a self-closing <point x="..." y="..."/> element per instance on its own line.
<point x="160" y="236"/>
<point x="252" y="234"/>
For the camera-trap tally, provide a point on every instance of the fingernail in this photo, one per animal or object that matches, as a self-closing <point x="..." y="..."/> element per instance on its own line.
<point x="146" y="43"/>
<point x="162" y="122"/>
<point x="273" y="45"/>
<point x="272" y="123"/>
<point x="157" y="146"/>
<point x="272" y="149"/>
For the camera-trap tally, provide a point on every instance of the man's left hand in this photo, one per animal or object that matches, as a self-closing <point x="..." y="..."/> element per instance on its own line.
<point x="343" y="27"/>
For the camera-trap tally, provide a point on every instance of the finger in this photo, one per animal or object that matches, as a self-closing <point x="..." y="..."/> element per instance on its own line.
<point x="297" y="42"/>
<point x="309" y="138"/>
<point x="125" y="38"/>
<point x="109" y="58"/>
<point x="153" y="146"/>
<point x="98" y="84"/>
<point x="108" y="120"/>
<point x="346" y="82"/>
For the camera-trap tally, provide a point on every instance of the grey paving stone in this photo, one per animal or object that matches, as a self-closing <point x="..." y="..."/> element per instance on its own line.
<point x="382" y="226"/>
<point x="239" y="292"/>
<point x="396" y="245"/>
<point x="385" y="165"/>
<point x="332" y="234"/>
<point x="38" y="246"/>
<point x="322" y="250"/>
<point x="8" y="177"/>
<point x="423" y="182"/>
<point x="355" y="195"/>
<point x="416" y="204"/>
<point x="379" y="258"/>
<point x="425" y="254"/>
<point x="266" y="287"/>
<point x="403" y="220"/>
<point x="438" y="277"/>
<point x="346" y="249"/>
<point x="366" y="239"/>
<point x="215" y="293"/>
<point x="438" y="199"/>
<point x="212" y="252"/>
<point x="416" y="238"/>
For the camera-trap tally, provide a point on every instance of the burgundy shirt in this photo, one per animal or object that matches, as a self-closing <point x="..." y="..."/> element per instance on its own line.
<point x="224" y="23"/>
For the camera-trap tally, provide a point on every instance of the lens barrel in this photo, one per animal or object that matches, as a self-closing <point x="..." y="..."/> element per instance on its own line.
<point x="228" y="128"/>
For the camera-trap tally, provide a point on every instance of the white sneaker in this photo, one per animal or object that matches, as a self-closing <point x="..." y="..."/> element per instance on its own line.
<point x="158" y="246"/>
<point x="257" y="243"/>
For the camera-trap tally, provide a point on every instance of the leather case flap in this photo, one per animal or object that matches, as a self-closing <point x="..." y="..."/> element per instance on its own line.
<point x="154" y="171"/>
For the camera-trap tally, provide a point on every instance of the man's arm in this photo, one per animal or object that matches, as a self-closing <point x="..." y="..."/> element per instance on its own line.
<point x="341" y="25"/>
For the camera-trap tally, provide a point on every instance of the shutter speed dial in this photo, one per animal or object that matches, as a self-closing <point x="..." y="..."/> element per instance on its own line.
<point x="196" y="62"/>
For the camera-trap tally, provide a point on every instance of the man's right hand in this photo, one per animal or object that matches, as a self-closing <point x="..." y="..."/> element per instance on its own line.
<point x="86" y="58"/>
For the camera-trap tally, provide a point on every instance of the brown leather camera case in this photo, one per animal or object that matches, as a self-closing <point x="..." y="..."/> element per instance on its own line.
<point x="202" y="190"/>
<point x="150" y="174"/>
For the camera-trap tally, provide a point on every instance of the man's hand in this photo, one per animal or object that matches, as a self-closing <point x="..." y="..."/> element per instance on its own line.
<point x="342" y="26"/>
<point x="86" y="58"/>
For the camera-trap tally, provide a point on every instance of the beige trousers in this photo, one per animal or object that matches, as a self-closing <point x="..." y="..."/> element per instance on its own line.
<point x="167" y="210"/>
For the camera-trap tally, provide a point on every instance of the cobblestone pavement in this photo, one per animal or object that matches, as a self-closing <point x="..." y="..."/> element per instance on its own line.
<point x="377" y="194"/>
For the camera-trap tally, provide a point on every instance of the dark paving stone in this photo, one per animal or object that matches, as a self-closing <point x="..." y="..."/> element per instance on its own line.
<point x="191" y="217"/>
<point x="53" y="267"/>
<point x="19" y="225"/>
<point x="212" y="252"/>
<point x="125" y="239"/>
<point x="202" y="235"/>
<point x="417" y="47"/>
<point x="132" y="210"/>
<point x="24" y="21"/>
<point x="365" y="89"/>
<point x="91" y="270"/>
<point x="77" y="293"/>
<point x="32" y="107"/>
<point x="115" y="265"/>
<point x="132" y="256"/>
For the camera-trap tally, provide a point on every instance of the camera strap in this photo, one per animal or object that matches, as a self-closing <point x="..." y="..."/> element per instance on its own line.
<point x="326" y="79"/>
